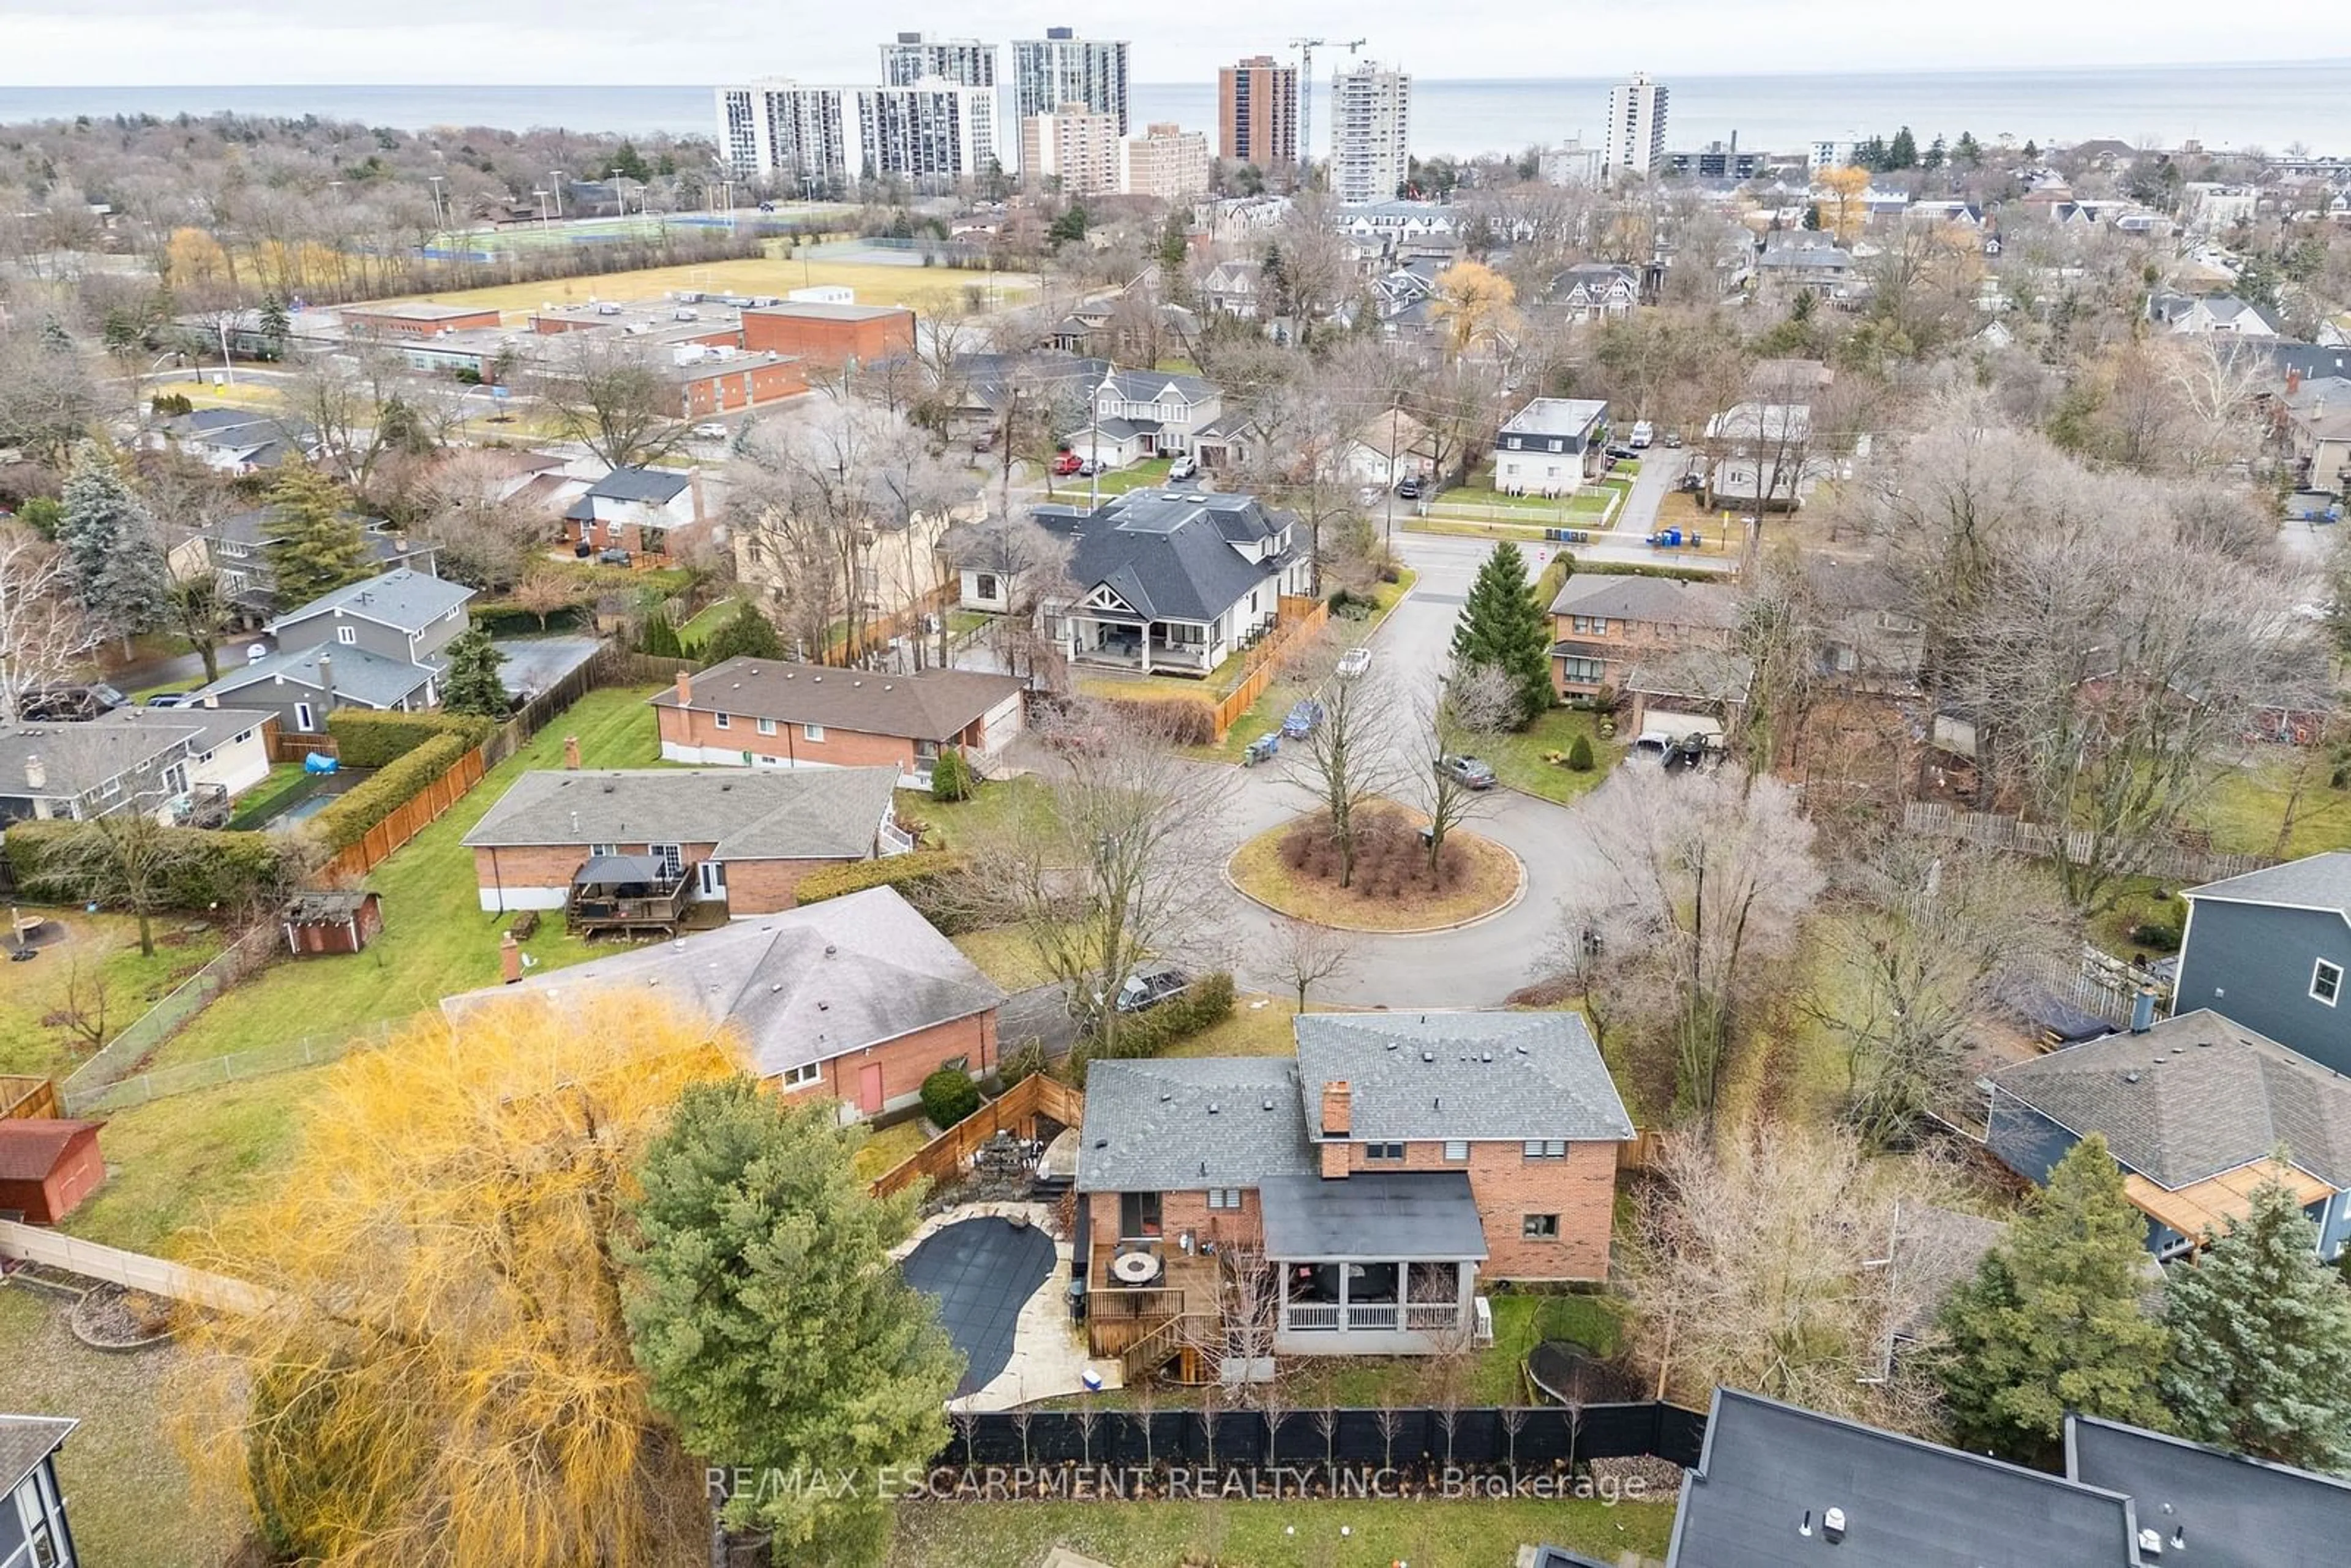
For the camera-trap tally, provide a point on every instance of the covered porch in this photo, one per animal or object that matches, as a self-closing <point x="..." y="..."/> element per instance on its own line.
<point x="1151" y="647"/>
<point x="627" y="893"/>
<point x="1372" y="1264"/>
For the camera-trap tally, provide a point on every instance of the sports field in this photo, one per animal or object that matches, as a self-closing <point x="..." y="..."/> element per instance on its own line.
<point x="925" y="289"/>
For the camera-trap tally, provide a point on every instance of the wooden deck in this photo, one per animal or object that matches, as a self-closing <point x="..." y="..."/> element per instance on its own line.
<point x="592" y="912"/>
<point x="1119" y="1315"/>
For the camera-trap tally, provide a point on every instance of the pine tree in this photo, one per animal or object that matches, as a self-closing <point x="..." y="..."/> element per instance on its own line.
<point x="472" y="685"/>
<point x="319" y="546"/>
<point x="1903" y="152"/>
<point x="2051" y="1321"/>
<point x="115" y="561"/>
<point x="1969" y="153"/>
<point x="765" y="1313"/>
<point x="750" y="635"/>
<point x="1505" y="626"/>
<point x="1938" y="153"/>
<point x="2261" y="1341"/>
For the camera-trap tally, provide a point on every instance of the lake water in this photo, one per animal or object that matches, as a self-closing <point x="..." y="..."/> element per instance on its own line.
<point x="2222" y="106"/>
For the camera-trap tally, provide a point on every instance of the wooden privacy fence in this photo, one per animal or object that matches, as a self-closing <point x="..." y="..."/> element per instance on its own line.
<point x="132" y="1270"/>
<point x="29" y="1099"/>
<point x="1300" y="619"/>
<point x="409" y="819"/>
<point x="2171" y="861"/>
<point x="295" y="746"/>
<point x="1014" y="1111"/>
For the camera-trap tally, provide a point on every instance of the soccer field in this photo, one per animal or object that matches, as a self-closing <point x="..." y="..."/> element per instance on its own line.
<point x="925" y="289"/>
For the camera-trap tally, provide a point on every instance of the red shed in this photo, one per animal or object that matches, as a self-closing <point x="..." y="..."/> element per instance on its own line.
<point x="48" y="1167"/>
<point x="331" y="920"/>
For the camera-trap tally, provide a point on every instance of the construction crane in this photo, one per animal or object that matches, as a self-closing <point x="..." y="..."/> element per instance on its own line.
<point x="1306" y="47"/>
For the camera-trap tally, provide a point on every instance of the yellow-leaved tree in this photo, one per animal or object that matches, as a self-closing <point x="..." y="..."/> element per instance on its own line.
<point x="1474" y="301"/>
<point x="445" y="1377"/>
<point x="1842" y="211"/>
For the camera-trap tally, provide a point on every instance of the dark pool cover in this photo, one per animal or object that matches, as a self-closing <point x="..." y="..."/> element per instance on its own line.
<point x="981" y="1273"/>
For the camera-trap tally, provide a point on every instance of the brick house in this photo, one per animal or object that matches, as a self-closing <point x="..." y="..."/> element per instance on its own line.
<point x="48" y="1167"/>
<point x="830" y="335"/>
<point x="1604" y="624"/>
<point x="858" y="998"/>
<point x="1381" y="1174"/>
<point x="639" y="510"/>
<point x="762" y="713"/>
<point x="663" y="841"/>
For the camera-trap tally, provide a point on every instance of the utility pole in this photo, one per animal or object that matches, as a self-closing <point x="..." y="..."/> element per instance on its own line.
<point x="435" y="181"/>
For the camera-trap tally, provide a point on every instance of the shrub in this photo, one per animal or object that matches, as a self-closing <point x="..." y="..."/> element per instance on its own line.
<point x="347" y="821"/>
<point x="1207" y="1001"/>
<point x="232" y="870"/>
<point x="948" y="1096"/>
<point x="368" y="739"/>
<point x="1353" y="606"/>
<point x="1179" y="721"/>
<point x="1579" y="755"/>
<point x="501" y="618"/>
<point x="2155" y="933"/>
<point x="167" y="405"/>
<point x="918" y="877"/>
<point x="1025" y="1061"/>
<point x="952" y="778"/>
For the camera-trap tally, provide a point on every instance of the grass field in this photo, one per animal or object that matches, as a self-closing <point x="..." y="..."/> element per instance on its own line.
<point x="925" y="289"/>
<point x="97" y="951"/>
<point x="1521" y="760"/>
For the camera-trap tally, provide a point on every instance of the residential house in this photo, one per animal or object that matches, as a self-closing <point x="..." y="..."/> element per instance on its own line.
<point x="235" y="550"/>
<point x="180" y="764"/>
<point x="1760" y="453"/>
<point x="1597" y="290"/>
<point x="1235" y="288"/>
<point x="1551" y="446"/>
<point x="641" y="510"/>
<point x="2208" y="315"/>
<point x="1689" y="691"/>
<point x="1866" y="637"/>
<point x="2318" y="419"/>
<point x="1171" y="580"/>
<point x="376" y="643"/>
<point x="763" y="713"/>
<point x="857" y="1000"/>
<point x="993" y="566"/>
<point x="1137" y="415"/>
<point x="235" y="441"/>
<point x="1605" y="623"/>
<point x="46" y="1168"/>
<point x="1377" y="1176"/>
<point x="1387" y="448"/>
<point x="1798" y="261"/>
<point x="736" y="842"/>
<point x="2198" y="1112"/>
<point x="32" y="1529"/>
<point x="2230" y="1510"/>
<point x="2271" y="950"/>
<point x="980" y="389"/>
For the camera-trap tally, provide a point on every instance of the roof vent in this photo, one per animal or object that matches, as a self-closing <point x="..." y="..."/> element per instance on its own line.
<point x="2150" y="1543"/>
<point x="1204" y="1167"/>
<point x="1833" y="1526"/>
<point x="1165" y="1096"/>
<point x="1428" y="1056"/>
<point x="1393" y="1044"/>
<point x="1101" y="1142"/>
<point x="1267" y="1105"/>
<point x="824" y="1007"/>
<point x="1486" y="1057"/>
<point x="1212" y="1107"/>
<point x="2130" y="1077"/>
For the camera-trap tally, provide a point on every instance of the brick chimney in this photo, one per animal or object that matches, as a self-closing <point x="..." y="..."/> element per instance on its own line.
<point x="510" y="959"/>
<point x="684" y="689"/>
<point x="571" y="753"/>
<point x="2293" y="380"/>
<point x="1338" y="1109"/>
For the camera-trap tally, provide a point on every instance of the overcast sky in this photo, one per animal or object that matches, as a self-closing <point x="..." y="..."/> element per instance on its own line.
<point x="57" y="43"/>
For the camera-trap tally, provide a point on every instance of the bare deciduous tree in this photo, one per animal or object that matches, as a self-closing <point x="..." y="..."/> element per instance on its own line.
<point x="608" y="392"/>
<point x="1349" y="760"/>
<point x="43" y="635"/>
<point x="1304" y="954"/>
<point x="1470" y="701"/>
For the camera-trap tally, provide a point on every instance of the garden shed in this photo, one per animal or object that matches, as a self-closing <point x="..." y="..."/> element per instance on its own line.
<point x="331" y="920"/>
<point x="48" y="1167"/>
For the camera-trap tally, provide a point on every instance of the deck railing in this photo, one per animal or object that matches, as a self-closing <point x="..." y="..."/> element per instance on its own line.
<point x="1311" y="1317"/>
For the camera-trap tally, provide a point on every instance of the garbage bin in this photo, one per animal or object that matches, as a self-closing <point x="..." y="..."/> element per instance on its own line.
<point x="1077" y="1301"/>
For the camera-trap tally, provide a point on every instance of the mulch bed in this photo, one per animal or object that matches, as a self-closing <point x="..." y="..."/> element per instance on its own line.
<point x="110" y="1317"/>
<point x="1390" y="861"/>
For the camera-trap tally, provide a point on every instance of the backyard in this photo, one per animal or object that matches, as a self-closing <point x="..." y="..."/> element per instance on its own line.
<point x="99" y="953"/>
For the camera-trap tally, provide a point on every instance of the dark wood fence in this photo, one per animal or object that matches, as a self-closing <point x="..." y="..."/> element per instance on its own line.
<point x="1014" y="1111"/>
<point x="412" y="817"/>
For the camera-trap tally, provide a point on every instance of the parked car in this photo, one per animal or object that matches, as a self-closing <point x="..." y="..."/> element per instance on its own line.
<point x="172" y="699"/>
<point x="1148" y="987"/>
<point x="1644" y="432"/>
<point x="1091" y="467"/>
<point x="711" y="431"/>
<point x="1185" y="467"/>
<point x="1304" y="718"/>
<point x="1355" y="662"/>
<point x="1621" y="454"/>
<point x="1674" y="439"/>
<point x="1066" y="465"/>
<point x="1468" y="770"/>
<point x="66" y="705"/>
<point x="1408" y="488"/>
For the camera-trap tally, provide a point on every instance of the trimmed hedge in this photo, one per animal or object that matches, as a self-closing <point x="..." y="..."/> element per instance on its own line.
<point x="1180" y="721"/>
<point x="948" y="1096"/>
<point x="1643" y="569"/>
<point x="364" y="739"/>
<point x="918" y="877"/>
<point x="347" y="821"/>
<point x="234" y="870"/>
<point x="1207" y="1002"/>
<point x="500" y="619"/>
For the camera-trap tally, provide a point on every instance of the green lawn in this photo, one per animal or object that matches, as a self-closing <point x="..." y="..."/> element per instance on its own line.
<point x="698" y="630"/>
<point x="1267" y="713"/>
<point x="1259" y="1025"/>
<point x="435" y="940"/>
<point x="1284" y="1534"/>
<point x="1519" y="759"/>
<point x="285" y="784"/>
<point x="996" y="806"/>
<point x="98" y="954"/>
<point x="888" y="1149"/>
<point x="1005" y="954"/>
<point x="2246" y="810"/>
<point x="1144" y="475"/>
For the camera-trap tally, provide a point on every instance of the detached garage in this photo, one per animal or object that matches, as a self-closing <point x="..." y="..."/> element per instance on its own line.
<point x="48" y="1167"/>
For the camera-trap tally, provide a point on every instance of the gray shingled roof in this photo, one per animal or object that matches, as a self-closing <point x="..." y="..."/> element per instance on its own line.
<point x="1769" y="1471"/>
<point x="411" y="601"/>
<point x="656" y="485"/>
<point x="1170" y="555"/>
<point x="2193" y="1097"/>
<point x="25" y="1441"/>
<point x="2237" y="1512"/>
<point x="801" y="986"/>
<point x="1210" y="1121"/>
<point x="784" y="813"/>
<point x="2313" y="882"/>
<point x="937" y="705"/>
<point x="85" y="754"/>
<point x="1460" y="1076"/>
<point x="1406" y="1216"/>
<point x="361" y="675"/>
<point x="1653" y="598"/>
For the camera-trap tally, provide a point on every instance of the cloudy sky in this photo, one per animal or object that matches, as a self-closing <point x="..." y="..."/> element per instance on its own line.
<point x="57" y="43"/>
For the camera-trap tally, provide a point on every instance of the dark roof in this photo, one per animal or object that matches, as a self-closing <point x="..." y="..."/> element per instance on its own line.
<point x="801" y="986"/>
<point x="31" y="1148"/>
<point x="781" y="814"/>
<point x="1185" y="1125"/>
<point x="1770" y="1472"/>
<point x="1705" y="675"/>
<point x="607" y="871"/>
<point x="84" y="754"/>
<point x="325" y="905"/>
<point x="358" y="673"/>
<point x="1407" y="1216"/>
<point x="937" y="705"/>
<point x="2192" y="1097"/>
<point x="1170" y="555"/>
<point x="25" y="1441"/>
<point x="2235" y="1512"/>
<point x="2313" y="882"/>
<point x="656" y="485"/>
<point x="1658" y="599"/>
<point x="1423" y="1076"/>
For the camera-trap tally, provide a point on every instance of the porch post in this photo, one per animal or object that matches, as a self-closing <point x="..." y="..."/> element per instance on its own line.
<point x="1343" y="1296"/>
<point x="1146" y="647"/>
<point x="1282" y="1311"/>
<point x="1466" y="1298"/>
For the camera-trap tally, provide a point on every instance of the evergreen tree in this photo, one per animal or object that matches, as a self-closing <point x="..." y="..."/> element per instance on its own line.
<point x="749" y="635"/>
<point x="276" y="325"/>
<point x="659" y="638"/>
<point x="1505" y="626"/>
<point x="1903" y="152"/>
<point x="1936" y="155"/>
<point x="2032" y="151"/>
<point x="2051" y="1321"/>
<point x="114" y="560"/>
<point x="766" y="1314"/>
<point x="320" y="547"/>
<point x="2261" y="1330"/>
<point x="472" y="685"/>
<point x="1968" y="154"/>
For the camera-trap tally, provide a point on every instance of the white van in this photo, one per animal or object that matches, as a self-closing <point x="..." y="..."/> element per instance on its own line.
<point x="1644" y="432"/>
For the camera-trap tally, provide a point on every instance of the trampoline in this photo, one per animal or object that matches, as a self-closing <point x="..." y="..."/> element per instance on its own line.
<point x="1566" y="1373"/>
<point x="981" y="1273"/>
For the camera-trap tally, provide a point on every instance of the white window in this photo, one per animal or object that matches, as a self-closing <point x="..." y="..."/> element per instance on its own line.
<point x="672" y="856"/>
<point x="1546" y="1149"/>
<point x="594" y="850"/>
<point x="1457" y="1150"/>
<point x="723" y="721"/>
<point x="1224" y="1197"/>
<point x="766" y="726"/>
<point x="2326" y="982"/>
<point x="347" y="635"/>
<point x="305" y="719"/>
<point x="802" y="1076"/>
<point x="811" y="732"/>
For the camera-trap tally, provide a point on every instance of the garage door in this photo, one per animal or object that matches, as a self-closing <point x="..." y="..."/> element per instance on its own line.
<point x="1674" y="725"/>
